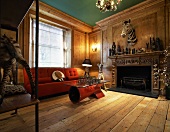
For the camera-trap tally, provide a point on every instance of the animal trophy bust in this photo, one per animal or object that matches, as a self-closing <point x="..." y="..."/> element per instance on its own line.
<point x="10" y="54"/>
<point x="130" y="31"/>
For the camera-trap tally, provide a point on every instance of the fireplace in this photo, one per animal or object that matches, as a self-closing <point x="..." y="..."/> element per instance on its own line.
<point x="134" y="77"/>
<point x="136" y="71"/>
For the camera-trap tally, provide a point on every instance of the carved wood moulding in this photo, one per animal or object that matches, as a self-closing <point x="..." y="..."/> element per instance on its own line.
<point x="63" y="17"/>
<point x="137" y="11"/>
<point x="143" y="59"/>
<point x="136" y="59"/>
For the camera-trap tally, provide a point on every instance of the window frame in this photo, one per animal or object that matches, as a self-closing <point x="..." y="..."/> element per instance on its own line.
<point x="67" y="33"/>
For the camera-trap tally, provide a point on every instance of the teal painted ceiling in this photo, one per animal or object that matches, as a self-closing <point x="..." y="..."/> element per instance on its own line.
<point x="86" y="10"/>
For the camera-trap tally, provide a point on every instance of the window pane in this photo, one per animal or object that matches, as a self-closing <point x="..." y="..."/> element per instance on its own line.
<point x="43" y="37"/>
<point x="54" y="46"/>
<point x="44" y="55"/>
<point x="50" y="46"/>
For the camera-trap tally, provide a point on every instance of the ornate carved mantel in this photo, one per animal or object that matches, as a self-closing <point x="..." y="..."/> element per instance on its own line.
<point x="142" y="59"/>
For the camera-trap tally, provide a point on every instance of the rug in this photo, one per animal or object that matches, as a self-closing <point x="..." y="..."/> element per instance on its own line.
<point x="135" y="92"/>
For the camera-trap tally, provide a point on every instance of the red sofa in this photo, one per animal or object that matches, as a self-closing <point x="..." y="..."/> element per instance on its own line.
<point x="46" y="85"/>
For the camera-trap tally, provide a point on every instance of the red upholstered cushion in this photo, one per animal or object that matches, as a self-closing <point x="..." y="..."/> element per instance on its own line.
<point x="44" y="80"/>
<point x="72" y="78"/>
<point x="42" y="72"/>
<point x="71" y="74"/>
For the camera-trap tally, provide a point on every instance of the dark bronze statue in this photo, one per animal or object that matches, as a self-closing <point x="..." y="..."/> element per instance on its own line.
<point x="10" y="54"/>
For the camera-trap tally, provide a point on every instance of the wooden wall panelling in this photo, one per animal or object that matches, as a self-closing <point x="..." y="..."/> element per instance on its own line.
<point x="168" y="24"/>
<point x="161" y="25"/>
<point x="107" y="41"/>
<point x="97" y="57"/>
<point x="145" y="27"/>
<point x="24" y="41"/>
<point x="78" y="50"/>
<point x="94" y="40"/>
<point x="21" y="37"/>
<point x="87" y="45"/>
<point x="106" y="44"/>
<point x="148" y="19"/>
<point x="24" y="38"/>
<point x="26" y="29"/>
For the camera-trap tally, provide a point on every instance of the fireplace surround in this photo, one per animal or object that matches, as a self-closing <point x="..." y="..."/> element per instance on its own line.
<point x="136" y="71"/>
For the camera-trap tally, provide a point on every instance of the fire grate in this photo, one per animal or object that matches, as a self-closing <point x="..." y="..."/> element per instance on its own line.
<point x="134" y="82"/>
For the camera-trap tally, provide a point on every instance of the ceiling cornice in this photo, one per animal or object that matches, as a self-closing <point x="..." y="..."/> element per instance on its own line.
<point x="148" y="6"/>
<point x="49" y="11"/>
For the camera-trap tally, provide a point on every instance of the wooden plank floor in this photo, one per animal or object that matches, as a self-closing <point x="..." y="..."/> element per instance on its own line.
<point x="116" y="112"/>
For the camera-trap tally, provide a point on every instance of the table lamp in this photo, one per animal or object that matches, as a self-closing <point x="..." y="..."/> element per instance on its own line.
<point x="87" y="64"/>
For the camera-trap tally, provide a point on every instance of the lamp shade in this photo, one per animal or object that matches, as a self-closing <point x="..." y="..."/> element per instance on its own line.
<point x="87" y="63"/>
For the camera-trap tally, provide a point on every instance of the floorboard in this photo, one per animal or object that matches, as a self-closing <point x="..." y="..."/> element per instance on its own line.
<point x="116" y="112"/>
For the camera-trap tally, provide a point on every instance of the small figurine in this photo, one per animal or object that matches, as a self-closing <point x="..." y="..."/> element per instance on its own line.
<point x="100" y="75"/>
<point x="110" y="52"/>
<point x="158" y="45"/>
<point x="127" y="51"/>
<point x="133" y="51"/>
<point x="113" y="49"/>
<point x="153" y="44"/>
<point x="118" y="49"/>
<point x="150" y="44"/>
<point x="147" y="46"/>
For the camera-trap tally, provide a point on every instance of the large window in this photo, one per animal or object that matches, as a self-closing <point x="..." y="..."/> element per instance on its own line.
<point x="54" y="46"/>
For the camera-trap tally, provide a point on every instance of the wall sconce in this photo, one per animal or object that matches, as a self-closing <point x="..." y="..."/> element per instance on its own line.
<point x="94" y="48"/>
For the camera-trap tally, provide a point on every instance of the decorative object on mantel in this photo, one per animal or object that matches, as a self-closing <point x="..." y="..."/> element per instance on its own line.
<point x="130" y="31"/>
<point x="119" y="51"/>
<point x="159" y="46"/>
<point x="112" y="51"/>
<point x="107" y="5"/>
<point x="10" y="54"/>
<point x="154" y="45"/>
